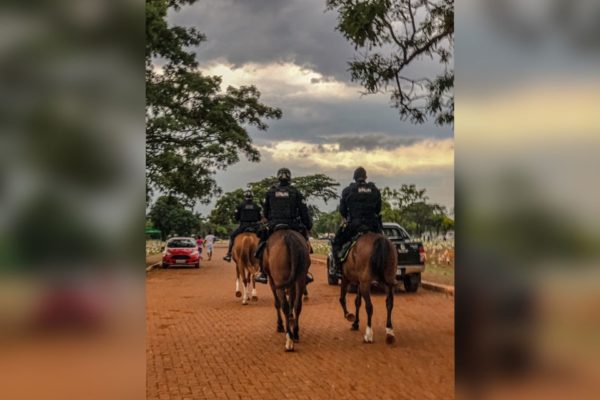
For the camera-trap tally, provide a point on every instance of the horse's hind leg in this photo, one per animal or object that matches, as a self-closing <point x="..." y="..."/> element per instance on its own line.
<point x="297" y="311"/>
<point x="289" y="342"/>
<point x="389" y="302"/>
<point x="365" y="290"/>
<point x="343" y="292"/>
<point x="357" y="302"/>
<point x="278" y="310"/>
<point x="245" y="287"/>
<point x="251" y="278"/>
<point x="238" y="293"/>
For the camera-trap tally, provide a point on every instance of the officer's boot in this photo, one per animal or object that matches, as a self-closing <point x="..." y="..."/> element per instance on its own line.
<point x="228" y="255"/>
<point x="262" y="277"/>
<point x="335" y="258"/>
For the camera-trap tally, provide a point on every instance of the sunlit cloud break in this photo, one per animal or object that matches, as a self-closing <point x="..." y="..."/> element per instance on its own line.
<point x="282" y="80"/>
<point x="423" y="155"/>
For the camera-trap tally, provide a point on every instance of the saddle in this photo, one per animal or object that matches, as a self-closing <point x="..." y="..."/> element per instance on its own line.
<point x="249" y="229"/>
<point x="279" y="227"/>
<point x="345" y="250"/>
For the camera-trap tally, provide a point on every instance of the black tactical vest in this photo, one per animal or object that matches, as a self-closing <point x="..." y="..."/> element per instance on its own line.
<point x="362" y="202"/>
<point x="283" y="201"/>
<point x="249" y="213"/>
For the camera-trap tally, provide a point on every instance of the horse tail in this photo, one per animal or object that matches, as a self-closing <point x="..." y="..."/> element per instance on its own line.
<point x="246" y="249"/>
<point x="378" y="258"/>
<point x="297" y="256"/>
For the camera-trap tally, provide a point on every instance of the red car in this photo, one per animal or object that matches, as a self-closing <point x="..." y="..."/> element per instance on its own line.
<point x="181" y="251"/>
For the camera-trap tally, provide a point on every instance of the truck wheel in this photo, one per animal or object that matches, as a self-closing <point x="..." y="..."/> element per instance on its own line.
<point x="332" y="280"/>
<point x="412" y="282"/>
<point x="165" y="265"/>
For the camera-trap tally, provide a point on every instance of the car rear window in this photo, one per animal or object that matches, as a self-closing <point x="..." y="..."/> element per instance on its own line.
<point x="178" y="243"/>
<point x="394" y="232"/>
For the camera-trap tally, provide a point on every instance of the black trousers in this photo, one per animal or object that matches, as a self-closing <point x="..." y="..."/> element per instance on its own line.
<point x="240" y="229"/>
<point x="348" y="231"/>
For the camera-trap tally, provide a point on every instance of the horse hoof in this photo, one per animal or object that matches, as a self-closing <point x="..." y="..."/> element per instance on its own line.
<point x="254" y="298"/>
<point x="280" y="329"/>
<point x="368" y="335"/>
<point x="350" y="317"/>
<point x="238" y="294"/>
<point x="354" y="328"/>
<point x="245" y="303"/>
<point x="305" y="298"/>
<point x="289" y="343"/>
<point x="390" y="339"/>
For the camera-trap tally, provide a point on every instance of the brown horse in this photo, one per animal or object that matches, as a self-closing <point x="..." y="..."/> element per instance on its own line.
<point x="286" y="260"/>
<point x="373" y="258"/>
<point x="246" y="264"/>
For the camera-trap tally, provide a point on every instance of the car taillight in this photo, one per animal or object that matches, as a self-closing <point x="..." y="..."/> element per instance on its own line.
<point x="422" y="256"/>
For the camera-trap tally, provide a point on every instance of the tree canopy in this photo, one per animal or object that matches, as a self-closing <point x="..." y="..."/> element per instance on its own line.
<point x="409" y="207"/>
<point x="193" y="128"/>
<point x="171" y="217"/>
<point x="391" y="36"/>
<point x="312" y="187"/>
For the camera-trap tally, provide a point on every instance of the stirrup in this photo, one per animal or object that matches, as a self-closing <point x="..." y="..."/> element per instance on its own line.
<point x="261" y="278"/>
<point x="309" y="278"/>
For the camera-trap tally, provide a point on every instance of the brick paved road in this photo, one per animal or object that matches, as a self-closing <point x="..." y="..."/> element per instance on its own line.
<point x="203" y="344"/>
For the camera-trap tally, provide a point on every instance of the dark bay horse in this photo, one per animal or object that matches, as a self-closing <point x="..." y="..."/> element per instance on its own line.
<point x="373" y="258"/>
<point x="286" y="260"/>
<point x="246" y="265"/>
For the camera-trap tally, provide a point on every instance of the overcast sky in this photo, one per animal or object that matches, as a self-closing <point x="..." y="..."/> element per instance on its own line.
<point x="291" y="52"/>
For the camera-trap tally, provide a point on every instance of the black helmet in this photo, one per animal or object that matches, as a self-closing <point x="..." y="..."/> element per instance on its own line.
<point x="360" y="174"/>
<point x="284" y="175"/>
<point x="248" y="194"/>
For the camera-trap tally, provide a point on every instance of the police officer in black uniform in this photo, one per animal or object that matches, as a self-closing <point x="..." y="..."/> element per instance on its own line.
<point x="284" y="205"/>
<point x="360" y="207"/>
<point x="248" y="215"/>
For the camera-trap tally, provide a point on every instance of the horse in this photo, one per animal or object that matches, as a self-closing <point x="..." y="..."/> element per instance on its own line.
<point x="246" y="264"/>
<point x="286" y="260"/>
<point x="373" y="257"/>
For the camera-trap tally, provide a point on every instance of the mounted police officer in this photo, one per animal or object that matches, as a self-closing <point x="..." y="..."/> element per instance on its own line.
<point x="360" y="207"/>
<point x="248" y="215"/>
<point x="284" y="205"/>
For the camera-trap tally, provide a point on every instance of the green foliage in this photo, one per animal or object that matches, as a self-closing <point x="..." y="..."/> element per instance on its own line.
<point x="193" y="128"/>
<point x="169" y="215"/>
<point x="408" y="206"/>
<point x="318" y="186"/>
<point x="327" y="222"/>
<point x="392" y="35"/>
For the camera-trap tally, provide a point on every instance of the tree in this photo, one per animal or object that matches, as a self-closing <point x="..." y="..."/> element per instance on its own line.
<point x="393" y="35"/>
<point x="327" y="222"/>
<point x="409" y="207"/>
<point x="170" y="216"/>
<point x="318" y="186"/>
<point x="193" y="128"/>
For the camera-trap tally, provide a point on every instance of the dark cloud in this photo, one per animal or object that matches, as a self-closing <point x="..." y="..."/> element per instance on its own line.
<point x="372" y="141"/>
<point x="266" y="31"/>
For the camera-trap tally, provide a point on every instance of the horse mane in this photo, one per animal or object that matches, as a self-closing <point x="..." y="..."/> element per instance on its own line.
<point x="378" y="257"/>
<point x="296" y="248"/>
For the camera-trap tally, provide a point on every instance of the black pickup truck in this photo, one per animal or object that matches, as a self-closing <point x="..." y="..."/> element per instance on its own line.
<point x="411" y="258"/>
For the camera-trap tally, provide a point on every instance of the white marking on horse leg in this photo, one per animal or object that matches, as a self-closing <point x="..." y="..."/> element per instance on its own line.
<point x="389" y="331"/>
<point x="254" y="293"/>
<point x="289" y="343"/>
<point x="369" y="335"/>
<point x="237" y="285"/>
<point x="245" y="296"/>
